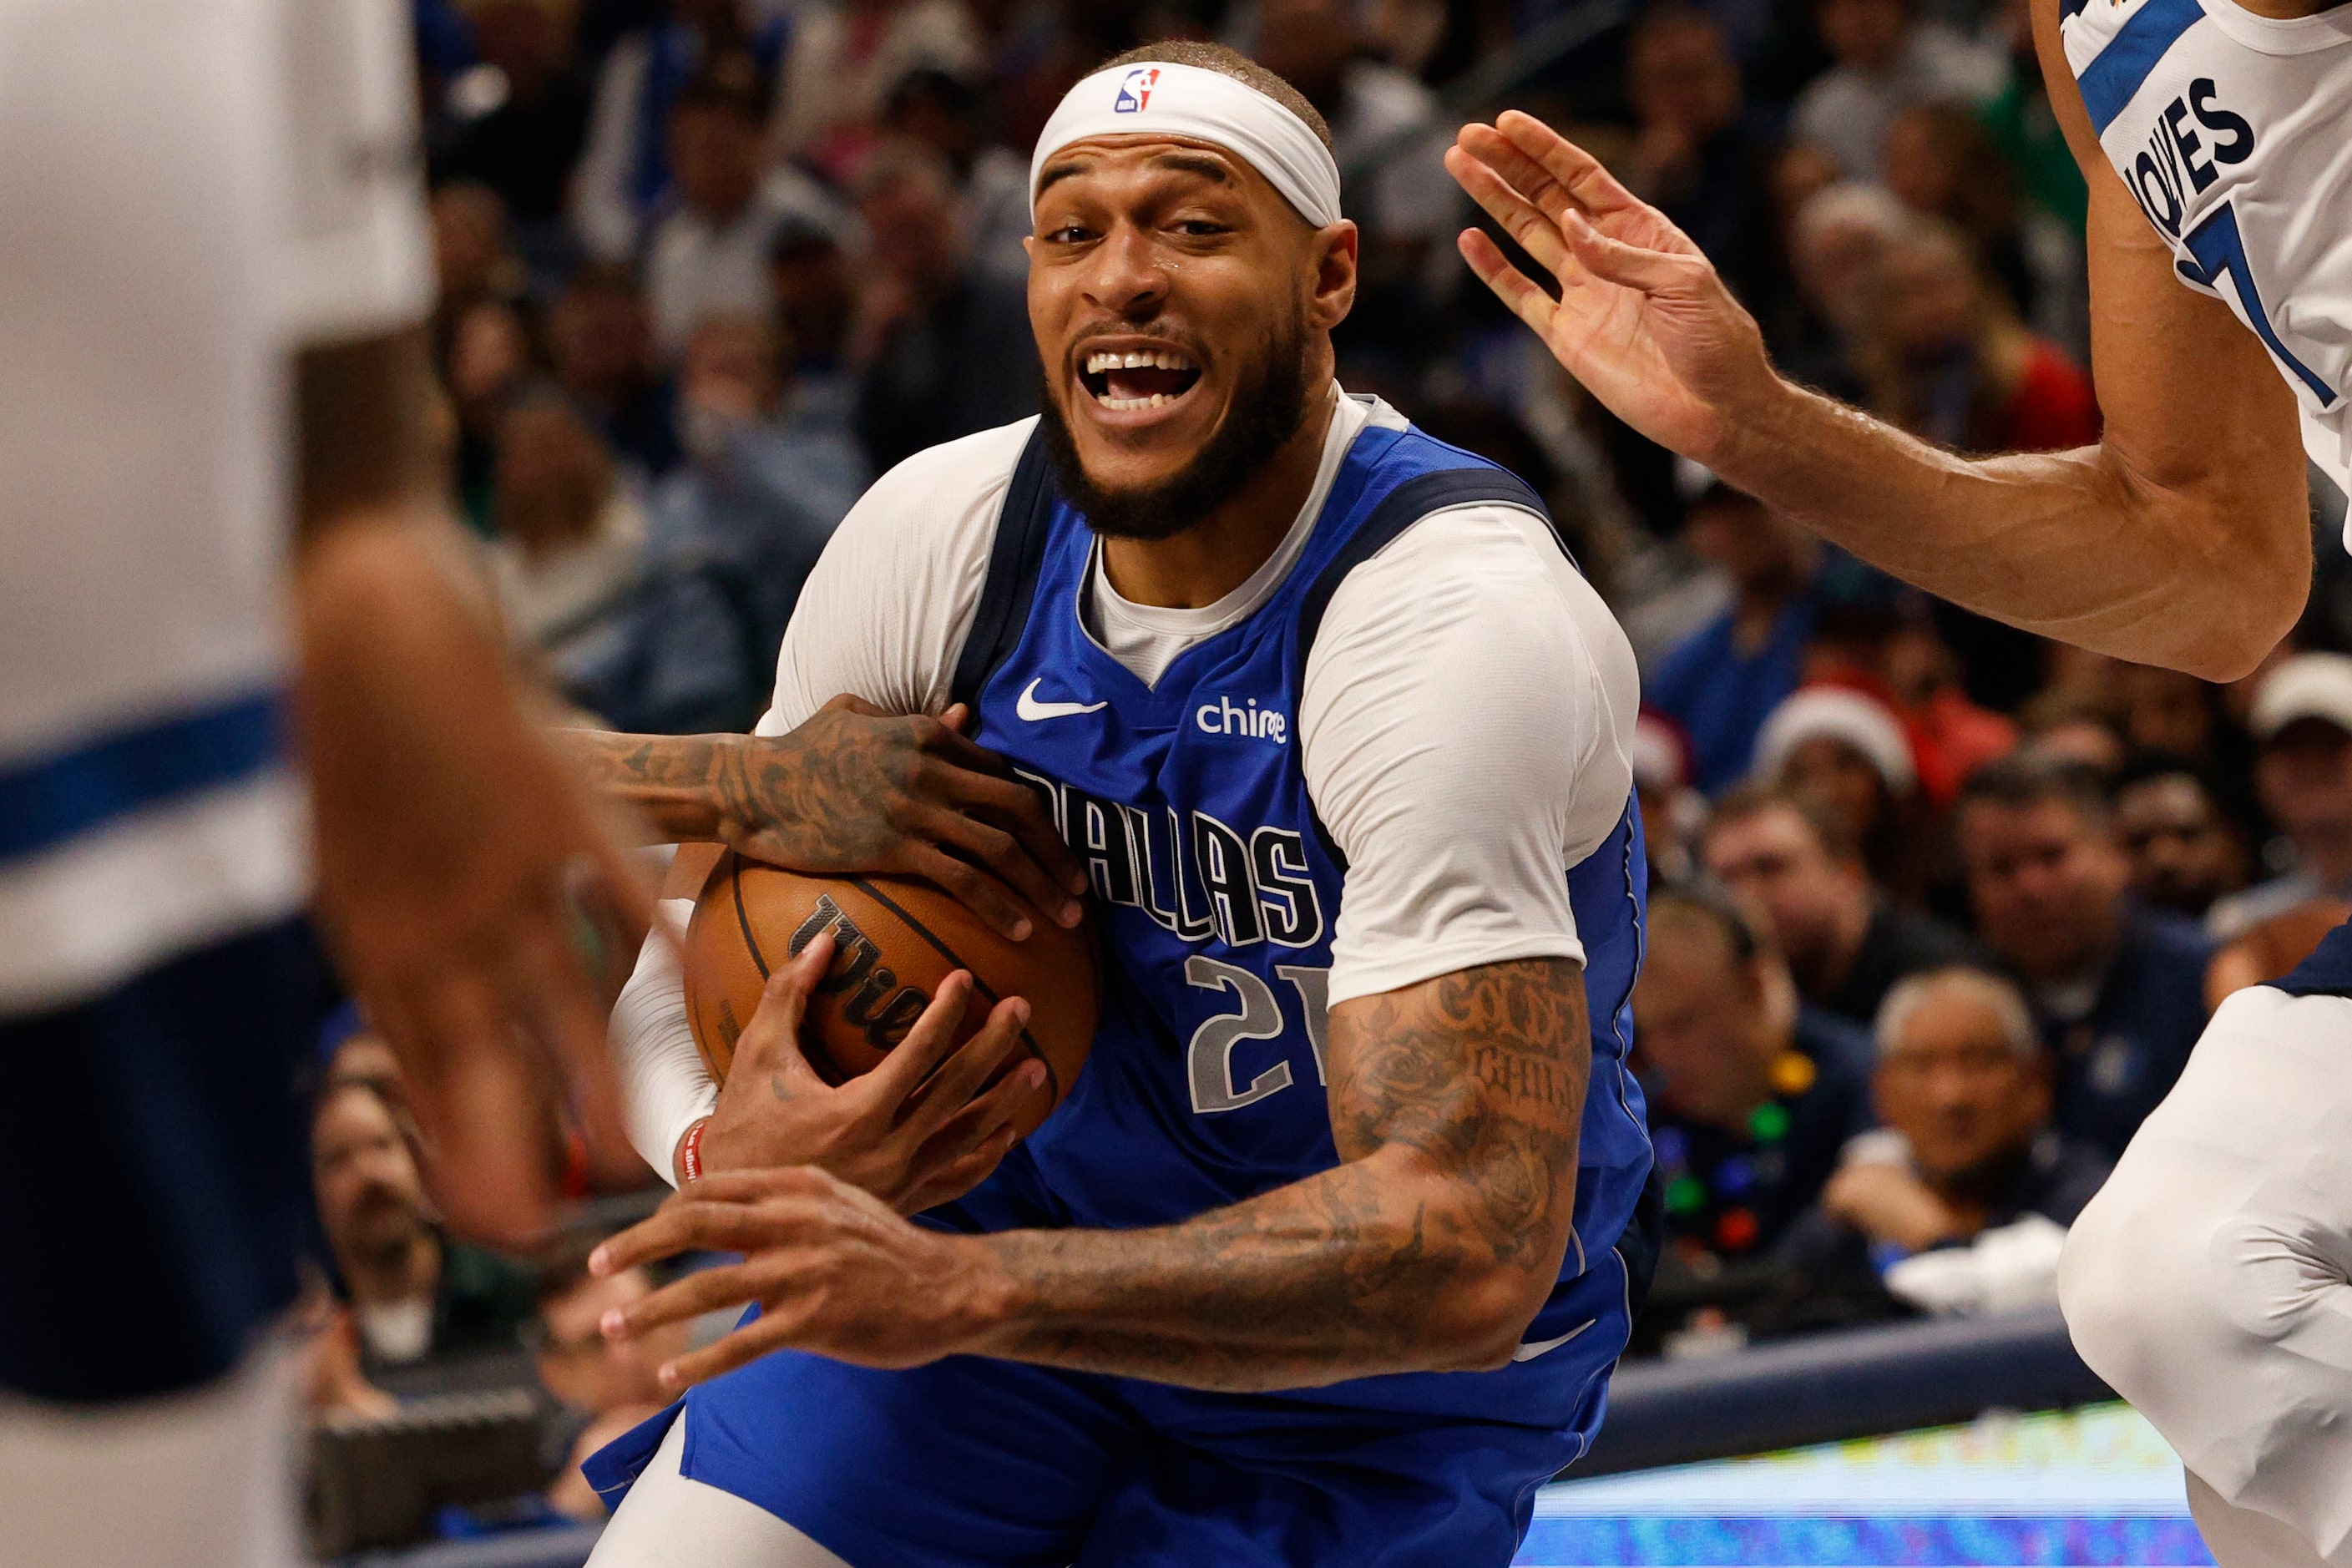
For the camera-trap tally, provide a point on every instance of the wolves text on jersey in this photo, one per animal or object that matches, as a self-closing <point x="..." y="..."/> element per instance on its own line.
<point x="1193" y="875"/>
<point x="2178" y="164"/>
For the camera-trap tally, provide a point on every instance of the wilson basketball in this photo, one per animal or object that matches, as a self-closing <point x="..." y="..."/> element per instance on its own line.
<point x="894" y="941"/>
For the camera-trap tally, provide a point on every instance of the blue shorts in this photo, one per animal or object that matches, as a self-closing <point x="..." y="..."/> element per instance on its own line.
<point x="154" y="1155"/>
<point x="971" y="1462"/>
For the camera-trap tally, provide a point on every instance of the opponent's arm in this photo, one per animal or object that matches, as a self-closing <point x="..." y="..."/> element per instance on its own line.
<point x="449" y="835"/>
<point x="853" y="789"/>
<point x="1456" y="1106"/>
<point x="2182" y="539"/>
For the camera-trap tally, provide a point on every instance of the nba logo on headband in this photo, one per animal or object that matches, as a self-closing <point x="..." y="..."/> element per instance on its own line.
<point x="1135" y="92"/>
<point x="1202" y="105"/>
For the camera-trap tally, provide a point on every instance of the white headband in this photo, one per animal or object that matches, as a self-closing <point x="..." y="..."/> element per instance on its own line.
<point x="1206" y="105"/>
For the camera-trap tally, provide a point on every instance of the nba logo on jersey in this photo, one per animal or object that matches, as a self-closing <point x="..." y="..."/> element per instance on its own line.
<point x="1135" y="92"/>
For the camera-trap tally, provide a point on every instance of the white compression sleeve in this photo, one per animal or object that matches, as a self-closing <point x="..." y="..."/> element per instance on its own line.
<point x="662" y="1080"/>
<point x="1463" y="730"/>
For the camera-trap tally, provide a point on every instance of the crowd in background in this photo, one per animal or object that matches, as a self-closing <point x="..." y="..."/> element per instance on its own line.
<point x="1940" y="907"/>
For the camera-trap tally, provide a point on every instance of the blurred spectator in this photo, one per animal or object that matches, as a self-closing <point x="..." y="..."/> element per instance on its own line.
<point x="946" y="347"/>
<point x="815" y="303"/>
<point x="1941" y="162"/>
<point x="487" y="361"/>
<point x="517" y="121"/>
<point x="571" y="543"/>
<point x="1929" y="682"/>
<point x="413" y="1292"/>
<point x="2271" y="949"/>
<point x="1844" y="942"/>
<point x="847" y="54"/>
<point x="1947" y="359"/>
<point x="1672" y="811"/>
<point x="623" y="179"/>
<point x="2165" y="711"/>
<point x="1751" y="1093"/>
<point x="353" y="1052"/>
<point x="604" y="1387"/>
<point x="1887" y="58"/>
<point x="2117" y="987"/>
<point x="600" y="337"/>
<point x="1720" y="682"/>
<point x="1959" y="1205"/>
<point x="746" y="425"/>
<point x="1697" y="155"/>
<point x="2075" y="728"/>
<point x="710" y="255"/>
<point x="473" y="259"/>
<point x="2302" y="721"/>
<point x="734" y="532"/>
<point x="944" y="112"/>
<point x="1836" y="238"/>
<point x="2024" y="127"/>
<point x="1850" y="753"/>
<point x="2185" y="851"/>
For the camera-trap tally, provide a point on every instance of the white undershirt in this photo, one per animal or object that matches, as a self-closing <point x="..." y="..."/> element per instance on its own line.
<point x="1463" y="725"/>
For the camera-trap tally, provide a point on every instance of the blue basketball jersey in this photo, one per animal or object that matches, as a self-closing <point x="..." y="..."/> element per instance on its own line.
<point x="1217" y="889"/>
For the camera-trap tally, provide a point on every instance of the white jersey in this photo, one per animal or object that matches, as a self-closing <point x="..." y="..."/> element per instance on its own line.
<point x="1465" y="718"/>
<point x="192" y="189"/>
<point x="2234" y="133"/>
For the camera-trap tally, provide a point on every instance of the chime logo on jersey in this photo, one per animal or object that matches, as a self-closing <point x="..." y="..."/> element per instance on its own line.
<point x="1135" y="90"/>
<point x="1193" y="875"/>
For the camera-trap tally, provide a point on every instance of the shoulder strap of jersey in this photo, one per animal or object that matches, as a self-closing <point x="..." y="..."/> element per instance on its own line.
<point x="1012" y="562"/>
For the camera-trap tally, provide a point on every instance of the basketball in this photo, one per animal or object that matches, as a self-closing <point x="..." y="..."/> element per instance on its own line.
<point x="895" y="941"/>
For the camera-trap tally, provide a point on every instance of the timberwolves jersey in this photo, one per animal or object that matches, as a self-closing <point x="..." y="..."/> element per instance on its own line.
<point x="2229" y="129"/>
<point x="1217" y="888"/>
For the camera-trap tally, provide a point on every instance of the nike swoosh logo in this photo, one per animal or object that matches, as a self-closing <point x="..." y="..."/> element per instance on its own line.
<point x="1535" y="1348"/>
<point x="1029" y="708"/>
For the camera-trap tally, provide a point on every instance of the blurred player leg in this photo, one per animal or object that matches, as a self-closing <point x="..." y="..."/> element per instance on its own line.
<point x="199" y="1478"/>
<point x="2240" y="1538"/>
<point x="669" y="1521"/>
<point x="2210" y="1280"/>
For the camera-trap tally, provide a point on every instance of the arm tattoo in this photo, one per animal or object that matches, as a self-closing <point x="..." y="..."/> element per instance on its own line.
<point x="828" y="797"/>
<point x="1454" y="1107"/>
<point x="682" y="782"/>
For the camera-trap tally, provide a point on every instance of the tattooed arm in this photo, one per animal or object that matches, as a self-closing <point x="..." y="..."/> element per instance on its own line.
<point x="1455" y="1106"/>
<point x="853" y="789"/>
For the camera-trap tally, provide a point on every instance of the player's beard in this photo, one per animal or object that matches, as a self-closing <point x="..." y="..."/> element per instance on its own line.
<point x="1267" y="410"/>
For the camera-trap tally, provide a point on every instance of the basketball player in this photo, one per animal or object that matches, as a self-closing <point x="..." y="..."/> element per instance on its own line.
<point x="193" y="193"/>
<point x="1329" y="1253"/>
<point x="2208" y="1283"/>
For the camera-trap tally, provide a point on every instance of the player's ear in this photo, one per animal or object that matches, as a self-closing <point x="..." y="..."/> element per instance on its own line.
<point x="1334" y="249"/>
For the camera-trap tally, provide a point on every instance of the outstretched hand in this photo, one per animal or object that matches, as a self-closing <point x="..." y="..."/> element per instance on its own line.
<point x="923" y="1127"/>
<point x="460" y="868"/>
<point x="1643" y="321"/>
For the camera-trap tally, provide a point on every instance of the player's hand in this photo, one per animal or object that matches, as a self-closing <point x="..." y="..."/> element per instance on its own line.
<point x="455" y="853"/>
<point x="857" y="789"/>
<point x="1642" y="320"/>
<point x="923" y="1127"/>
<point x="832" y="1270"/>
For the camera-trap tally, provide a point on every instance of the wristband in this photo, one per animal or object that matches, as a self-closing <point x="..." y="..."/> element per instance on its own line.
<point x="689" y="1153"/>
